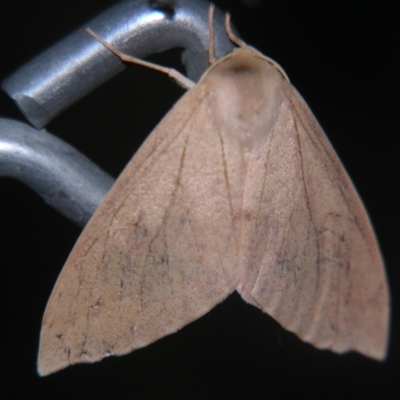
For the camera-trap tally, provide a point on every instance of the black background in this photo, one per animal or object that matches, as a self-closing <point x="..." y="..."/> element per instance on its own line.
<point x="343" y="58"/>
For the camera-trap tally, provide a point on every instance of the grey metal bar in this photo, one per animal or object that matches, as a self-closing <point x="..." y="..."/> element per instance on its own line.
<point x="66" y="180"/>
<point x="71" y="69"/>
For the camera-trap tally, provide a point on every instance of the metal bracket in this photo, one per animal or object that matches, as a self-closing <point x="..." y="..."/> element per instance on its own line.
<point x="74" y="67"/>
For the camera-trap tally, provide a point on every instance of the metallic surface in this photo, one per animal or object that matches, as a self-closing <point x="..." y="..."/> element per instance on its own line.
<point x="63" y="177"/>
<point x="71" y="69"/>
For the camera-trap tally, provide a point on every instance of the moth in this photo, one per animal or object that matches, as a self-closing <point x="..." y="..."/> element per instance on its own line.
<point x="237" y="188"/>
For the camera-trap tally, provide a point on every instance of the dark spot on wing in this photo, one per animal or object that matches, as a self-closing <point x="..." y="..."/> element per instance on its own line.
<point x="244" y="215"/>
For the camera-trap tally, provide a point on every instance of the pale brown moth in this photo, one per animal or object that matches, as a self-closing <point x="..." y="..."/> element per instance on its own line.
<point x="239" y="189"/>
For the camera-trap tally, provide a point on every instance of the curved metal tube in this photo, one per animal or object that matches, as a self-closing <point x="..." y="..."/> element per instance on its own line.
<point x="71" y="69"/>
<point x="66" y="179"/>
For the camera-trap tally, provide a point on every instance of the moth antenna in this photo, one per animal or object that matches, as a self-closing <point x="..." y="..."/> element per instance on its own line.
<point x="233" y="38"/>
<point x="172" y="73"/>
<point x="211" y="39"/>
